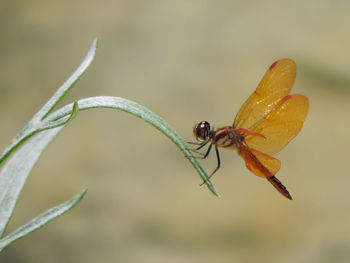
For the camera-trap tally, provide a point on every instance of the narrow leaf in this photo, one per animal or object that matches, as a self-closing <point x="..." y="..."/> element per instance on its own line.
<point x="15" y="171"/>
<point x="44" y="125"/>
<point x="143" y="113"/>
<point x="33" y="126"/>
<point x="41" y="220"/>
<point x="59" y="94"/>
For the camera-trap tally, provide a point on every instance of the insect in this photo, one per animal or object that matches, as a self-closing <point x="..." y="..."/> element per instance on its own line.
<point x="264" y="125"/>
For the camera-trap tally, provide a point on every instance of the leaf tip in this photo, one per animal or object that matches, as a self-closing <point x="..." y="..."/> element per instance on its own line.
<point x="75" y="110"/>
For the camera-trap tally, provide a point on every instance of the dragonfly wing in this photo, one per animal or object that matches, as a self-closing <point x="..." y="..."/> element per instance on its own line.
<point x="259" y="163"/>
<point x="280" y="126"/>
<point x="274" y="86"/>
<point x="263" y="165"/>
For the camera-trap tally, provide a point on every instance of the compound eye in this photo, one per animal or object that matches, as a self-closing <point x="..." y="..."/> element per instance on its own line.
<point x="201" y="131"/>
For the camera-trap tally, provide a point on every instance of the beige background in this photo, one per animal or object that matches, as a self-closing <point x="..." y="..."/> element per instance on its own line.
<point x="187" y="61"/>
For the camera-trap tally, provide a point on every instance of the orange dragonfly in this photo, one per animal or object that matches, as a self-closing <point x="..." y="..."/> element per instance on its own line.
<point x="264" y="125"/>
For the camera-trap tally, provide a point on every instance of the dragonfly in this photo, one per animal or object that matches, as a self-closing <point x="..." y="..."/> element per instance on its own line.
<point x="268" y="120"/>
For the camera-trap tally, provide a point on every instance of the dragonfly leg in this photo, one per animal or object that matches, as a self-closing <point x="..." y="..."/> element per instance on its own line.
<point x="218" y="165"/>
<point x="196" y="150"/>
<point x="201" y="155"/>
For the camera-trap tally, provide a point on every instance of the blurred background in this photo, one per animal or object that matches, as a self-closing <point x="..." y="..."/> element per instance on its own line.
<point x="187" y="61"/>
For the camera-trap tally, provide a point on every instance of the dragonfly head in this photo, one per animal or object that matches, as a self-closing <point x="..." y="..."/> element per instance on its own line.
<point x="202" y="131"/>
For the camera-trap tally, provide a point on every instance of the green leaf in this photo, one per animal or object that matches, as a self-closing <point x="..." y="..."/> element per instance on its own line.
<point x="35" y="125"/>
<point x="143" y="113"/>
<point x="44" y="125"/>
<point x="25" y="149"/>
<point x="34" y="138"/>
<point x="15" y="171"/>
<point x="68" y="84"/>
<point x="41" y="220"/>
